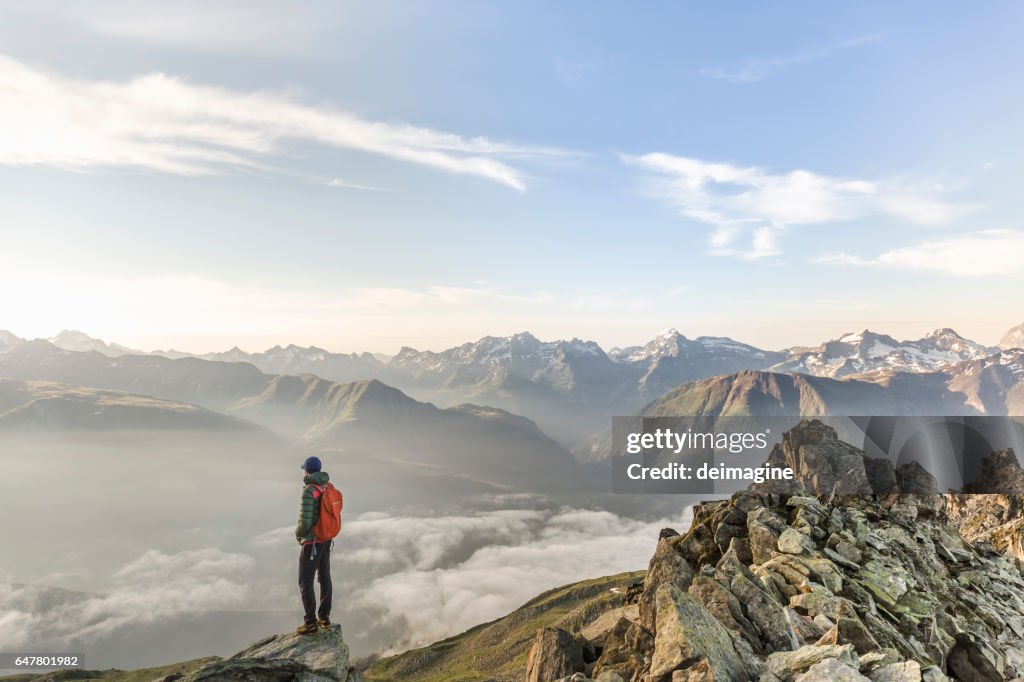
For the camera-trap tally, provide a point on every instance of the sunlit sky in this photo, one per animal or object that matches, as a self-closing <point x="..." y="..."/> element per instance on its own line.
<point x="367" y="175"/>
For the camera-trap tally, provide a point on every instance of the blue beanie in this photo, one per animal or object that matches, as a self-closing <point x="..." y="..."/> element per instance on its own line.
<point x="311" y="465"/>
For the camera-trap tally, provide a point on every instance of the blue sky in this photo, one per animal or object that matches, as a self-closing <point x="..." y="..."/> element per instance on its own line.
<point x="368" y="175"/>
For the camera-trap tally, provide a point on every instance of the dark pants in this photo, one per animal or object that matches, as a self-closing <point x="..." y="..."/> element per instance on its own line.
<point x="315" y="558"/>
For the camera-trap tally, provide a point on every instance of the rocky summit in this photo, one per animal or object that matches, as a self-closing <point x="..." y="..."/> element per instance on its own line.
<point x="323" y="657"/>
<point x="859" y="573"/>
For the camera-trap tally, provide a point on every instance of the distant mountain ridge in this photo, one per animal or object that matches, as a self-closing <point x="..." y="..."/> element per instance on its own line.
<point x="993" y="385"/>
<point x="572" y="388"/>
<point x="867" y="352"/>
<point x="49" y="406"/>
<point x="364" y="418"/>
<point x="1013" y="338"/>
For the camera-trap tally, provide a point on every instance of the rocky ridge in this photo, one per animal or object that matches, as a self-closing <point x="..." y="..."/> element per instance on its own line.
<point x="859" y="572"/>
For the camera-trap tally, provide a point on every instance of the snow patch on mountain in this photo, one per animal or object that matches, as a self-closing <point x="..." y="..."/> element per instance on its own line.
<point x="868" y="352"/>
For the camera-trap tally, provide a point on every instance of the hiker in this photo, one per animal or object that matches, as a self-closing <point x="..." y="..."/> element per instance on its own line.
<point x="319" y="523"/>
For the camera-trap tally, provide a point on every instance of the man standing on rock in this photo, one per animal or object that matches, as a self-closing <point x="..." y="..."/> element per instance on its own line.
<point x="319" y="521"/>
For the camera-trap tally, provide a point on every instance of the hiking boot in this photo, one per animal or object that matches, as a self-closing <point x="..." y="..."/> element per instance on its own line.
<point x="323" y="622"/>
<point x="308" y="629"/>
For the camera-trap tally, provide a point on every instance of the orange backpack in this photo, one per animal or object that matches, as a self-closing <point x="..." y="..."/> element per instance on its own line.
<point x="329" y="523"/>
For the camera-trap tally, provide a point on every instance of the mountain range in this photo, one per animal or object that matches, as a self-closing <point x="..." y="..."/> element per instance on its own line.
<point x="566" y="389"/>
<point x="363" y="419"/>
<point x="571" y="388"/>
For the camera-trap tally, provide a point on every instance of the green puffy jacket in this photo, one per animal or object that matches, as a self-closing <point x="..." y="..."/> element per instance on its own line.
<point x="309" y="511"/>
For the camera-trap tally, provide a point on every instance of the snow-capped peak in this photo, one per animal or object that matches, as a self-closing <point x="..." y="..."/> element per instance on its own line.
<point x="867" y="352"/>
<point x="1014" y="338"/>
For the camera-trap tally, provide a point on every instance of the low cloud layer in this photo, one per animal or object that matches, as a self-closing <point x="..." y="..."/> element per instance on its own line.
<point x="400" y="581"/>
<point x="155" y="587"/>
<point x="448" y="578"/>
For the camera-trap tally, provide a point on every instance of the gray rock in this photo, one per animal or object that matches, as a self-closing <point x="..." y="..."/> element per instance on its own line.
<point x="967" y="663"/>
<point x="763" y="530"/>
<point x="792" y="541"/>
<point x="667" y="566"/>
<point x="555" y="654"/>
<point x="685" y="632"/>
<point x="914" y="479"/>
<point x="322" y="657"/>
<point x="933" y="674"/>
<point x="767" y="614"/>
<point x="840" y="559"/>
<point x="822" y="464"/>
<point x="725" y="607"/>
<point x="788" y="664"/>
<point x="831" y="670"/>
<point x="609" y="676"/>
<point x="907" y="671"/>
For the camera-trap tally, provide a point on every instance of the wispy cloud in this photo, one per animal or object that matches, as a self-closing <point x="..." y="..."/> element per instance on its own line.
<point x="345" y="184"/>
<point x="256" y="27"/>
<point x="988" y="252"/>
<point x="575" y="72"/>
<point x="750" y="207"/>
<point x="160" y="123"/>
<point x="760" y="68"/>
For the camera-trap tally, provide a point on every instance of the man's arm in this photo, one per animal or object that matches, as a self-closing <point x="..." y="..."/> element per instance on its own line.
<point x="305" y="514"/>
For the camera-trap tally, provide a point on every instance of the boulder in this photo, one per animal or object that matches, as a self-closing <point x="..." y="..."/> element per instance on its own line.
<point x="725" y="607"/>
<point x="822" y="464"/>
<point x="555" y="654"/>
<point x="763" y="530"/>
<point x="792" y="541"/>
<point x="598" y="629"/>
<point x="686" y="634"/>
<point x="906" y="671"/>
<point x="767" y="614"/>
<point x="323" y="657"/>
<point x="787" y="665"/>
<point x="831" y="670"/>
<point x="667" y="566"/>
<point x="967" y="663"/>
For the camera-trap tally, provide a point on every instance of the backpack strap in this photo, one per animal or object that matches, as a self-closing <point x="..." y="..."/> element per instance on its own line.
<point x="318" y="489"/>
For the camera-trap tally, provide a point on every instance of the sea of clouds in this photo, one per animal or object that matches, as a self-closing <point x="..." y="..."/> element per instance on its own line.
<point x="401" y="580"/>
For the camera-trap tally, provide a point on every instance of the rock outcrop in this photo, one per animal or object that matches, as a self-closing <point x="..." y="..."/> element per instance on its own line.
<point x="859" y="573"/>
<point x="556" y="654"/>
<point x="323" y="657"/>
<point x="990" y="510"/>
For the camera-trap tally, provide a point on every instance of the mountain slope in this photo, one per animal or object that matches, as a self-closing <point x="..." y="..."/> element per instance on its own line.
<point x="497" y="650"/>
<point x="371" y="417"/>
<point x="771" y="394"/>
<point x="991" y="385"/>
<point x="365" y="419"/>
<point x="47" y="406"/>
<point x="859" y="586"/>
